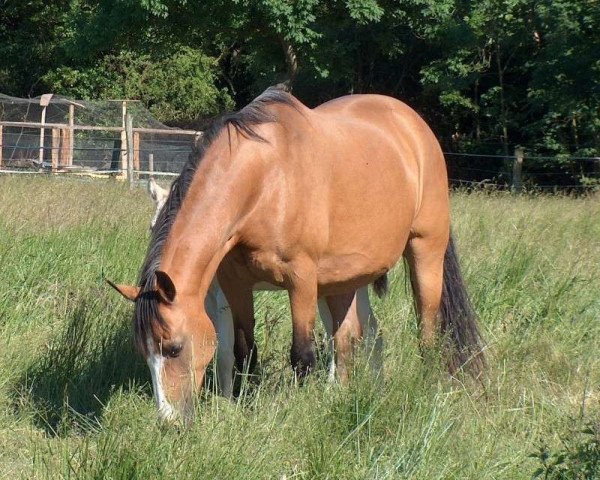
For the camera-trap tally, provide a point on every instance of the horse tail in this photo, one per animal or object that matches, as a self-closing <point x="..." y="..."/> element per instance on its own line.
<point x="381" y="286"/>
<point x="458" y="319"/>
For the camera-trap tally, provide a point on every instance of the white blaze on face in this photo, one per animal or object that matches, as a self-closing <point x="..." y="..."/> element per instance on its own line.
<point x="156" y="364"/>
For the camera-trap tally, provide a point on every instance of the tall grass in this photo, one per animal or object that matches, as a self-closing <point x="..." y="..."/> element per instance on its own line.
<point x="75" y="400"/>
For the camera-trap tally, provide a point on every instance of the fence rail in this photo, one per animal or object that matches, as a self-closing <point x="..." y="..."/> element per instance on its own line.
<point x="96" y="128"/>
<point x="128" y="152"/>
<point x="114" y="149"/>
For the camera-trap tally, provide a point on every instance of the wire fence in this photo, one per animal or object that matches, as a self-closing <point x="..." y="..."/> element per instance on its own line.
<point x="21" y="150"/>
<point x="52" y="134"/>
<point x="102" y="155"/>
<point x="521" y="171"/>
<point x="104" y="145"/>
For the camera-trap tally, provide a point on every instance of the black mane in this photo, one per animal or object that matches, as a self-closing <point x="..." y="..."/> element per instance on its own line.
<point x="244" y="121"/>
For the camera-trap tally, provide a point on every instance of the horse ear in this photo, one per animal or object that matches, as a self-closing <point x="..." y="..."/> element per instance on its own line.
<point x="165" y="287"/>
<point x="130" y="292"/>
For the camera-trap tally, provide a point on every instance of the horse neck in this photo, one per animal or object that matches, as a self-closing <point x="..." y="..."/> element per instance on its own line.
<point x="222" y="192"/>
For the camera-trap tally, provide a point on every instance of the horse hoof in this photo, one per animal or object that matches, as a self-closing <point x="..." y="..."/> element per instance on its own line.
<point x="303" y="362"/>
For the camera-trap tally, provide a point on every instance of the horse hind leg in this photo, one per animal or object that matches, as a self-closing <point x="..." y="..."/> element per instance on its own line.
<point x="373" y="343"/>
<point x="443" y="304"/>
<point x="327" y="321"/>
<point x="425" y="257"/>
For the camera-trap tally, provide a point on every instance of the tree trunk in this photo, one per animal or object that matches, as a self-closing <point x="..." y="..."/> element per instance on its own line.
<point x="575" y="133"/>
<point x="291" y="60"/>
<point x="477" y="119"/>
<point x="503" y="119"/>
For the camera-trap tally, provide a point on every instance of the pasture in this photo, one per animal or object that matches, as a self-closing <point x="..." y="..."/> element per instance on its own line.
<point x="76" y="402"/>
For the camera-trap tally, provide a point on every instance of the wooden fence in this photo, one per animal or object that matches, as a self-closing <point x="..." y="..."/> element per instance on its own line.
<point x="63" y="145"/>
<point x="126" y="161"/>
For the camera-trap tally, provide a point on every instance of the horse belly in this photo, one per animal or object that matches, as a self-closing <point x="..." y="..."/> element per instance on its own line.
<point x="344" y="272"/>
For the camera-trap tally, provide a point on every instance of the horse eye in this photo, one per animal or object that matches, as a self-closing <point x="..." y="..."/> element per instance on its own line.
<point x="172" y="351"/>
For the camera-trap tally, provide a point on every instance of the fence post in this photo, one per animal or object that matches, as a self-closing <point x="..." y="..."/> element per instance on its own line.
<point x="55" y="148"/>
<point x="71" y="137"/>
<point x="517" y="185"/>
<point x="151" y="164"/>
<point x="1" y="159"/>
<point x="136" y="153"/>
<point x="42" y="132"/>
<point x="62" y="161"/>
<point x="124" y="145"/>
<point x="44" y="102"/>
<point x="130" y="142"/>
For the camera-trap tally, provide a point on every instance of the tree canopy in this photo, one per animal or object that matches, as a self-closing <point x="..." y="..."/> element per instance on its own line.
<point x="487" y="74"/>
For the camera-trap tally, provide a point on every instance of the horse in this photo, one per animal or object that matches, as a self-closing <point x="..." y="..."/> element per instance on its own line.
<point x="159" y="195"/>
<point x="319" y="202"/>
<point x="361" y="317"/>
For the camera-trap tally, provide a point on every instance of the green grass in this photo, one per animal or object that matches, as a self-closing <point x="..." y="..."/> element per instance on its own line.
<point x="75" y="400"/>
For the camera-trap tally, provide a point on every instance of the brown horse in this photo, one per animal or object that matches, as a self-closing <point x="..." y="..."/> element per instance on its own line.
<point x="361" y="317"/>
<point x="318" y="202"/>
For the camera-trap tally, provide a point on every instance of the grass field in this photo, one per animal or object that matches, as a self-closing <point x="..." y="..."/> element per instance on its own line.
<point x="75" y="400"/>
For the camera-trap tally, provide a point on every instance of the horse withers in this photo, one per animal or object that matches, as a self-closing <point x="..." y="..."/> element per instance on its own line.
<point x="319" y="202"/>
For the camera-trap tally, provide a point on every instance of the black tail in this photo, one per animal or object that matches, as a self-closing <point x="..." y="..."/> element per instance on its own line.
<point x="380" y="286"/>
<point x="458" y="319"/>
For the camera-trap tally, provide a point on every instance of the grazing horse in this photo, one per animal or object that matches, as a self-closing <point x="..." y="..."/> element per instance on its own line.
<point x="159" y="195"/>
<point x="361" y="317"/>
<point x="319" y="202"/>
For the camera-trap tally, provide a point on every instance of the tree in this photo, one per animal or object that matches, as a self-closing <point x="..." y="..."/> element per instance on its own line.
<point x="486" y="75"/>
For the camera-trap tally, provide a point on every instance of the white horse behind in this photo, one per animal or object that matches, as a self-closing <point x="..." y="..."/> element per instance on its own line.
<point x="159" y="195"/>
<point x="218" y="310"/>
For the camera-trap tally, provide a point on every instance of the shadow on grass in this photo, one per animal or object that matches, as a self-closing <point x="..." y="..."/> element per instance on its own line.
<point x="83" y="366"/>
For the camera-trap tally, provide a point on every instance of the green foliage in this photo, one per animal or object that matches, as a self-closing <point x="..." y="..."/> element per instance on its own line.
<point x="177" y="88"/>
<point x="577" y="459"/>
<point x="30" y="33"/>
<point x="565" y="85"/>
<point x="365" y="11"/>
<point x="487" y="75"/>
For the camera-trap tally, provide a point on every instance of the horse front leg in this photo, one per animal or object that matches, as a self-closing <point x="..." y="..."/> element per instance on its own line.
<point x="346" y="330"/>
<point x="327" y="320"/>
<point x="353" y="321"/>
<point x="373" y="343"/>
<point x="241" y="301"/>
<point x="302" y="291"/>
<point x="224" y="327"/>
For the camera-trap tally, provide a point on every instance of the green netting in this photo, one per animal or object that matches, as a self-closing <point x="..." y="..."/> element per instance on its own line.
<point x="96" y="112"/>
